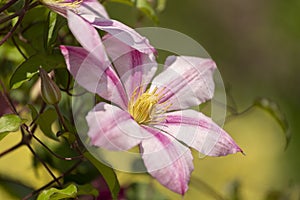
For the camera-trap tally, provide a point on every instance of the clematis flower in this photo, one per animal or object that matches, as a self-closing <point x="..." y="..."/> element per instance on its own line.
<point x="152" y="113"/>
<point x="95" y="14"/>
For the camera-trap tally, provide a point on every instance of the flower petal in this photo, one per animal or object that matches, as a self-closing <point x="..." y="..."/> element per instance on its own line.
<point x="200" y="132"/>
<point x="133" y="67"/>
<point x="86" y="35"/>
<point x="91" y="7"/>
<point x="122" y="32"/>
<point x="167" y="160"/>
<point x="81" y="7"/>
<point x="113" y="128"/>
<point x="186" y="81"/>
<point x="94" y="75"/>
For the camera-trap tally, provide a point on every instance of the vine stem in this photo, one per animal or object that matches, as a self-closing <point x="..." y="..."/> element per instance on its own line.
<point x="45" y="165"/>
<point x="10" y="3"/>
<point x="11" y="149"/>
<point x="53" y="181"/>
<point x="61" y="117"/>
<point x="56" y="155"/>
<point x="7" y="99"/>
<point x="21" y="16"/>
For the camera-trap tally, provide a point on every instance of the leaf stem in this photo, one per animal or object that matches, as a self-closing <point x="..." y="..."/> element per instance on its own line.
<point x="61" y="117"/>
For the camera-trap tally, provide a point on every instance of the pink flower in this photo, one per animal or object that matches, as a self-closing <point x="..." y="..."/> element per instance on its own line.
<point x="95" y="14"/>
<point x="153" y="114"/>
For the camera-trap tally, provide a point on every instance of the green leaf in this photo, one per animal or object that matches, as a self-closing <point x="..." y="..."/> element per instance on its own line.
<point x="45" y="121"/>
<point x="107" y="173"/>
<point x="49" y="26"/>
<point x="272" y="108"/>
<point x="29" y="76"/>
<point x="87" y="189"/>
<point x="55" y="23"/>
<point x="34" y="112"/>
<point x="29" y="68"/>
<point x="146" y="8"/>
<point x="9" y="123"/>
<point x="56" y="194"/>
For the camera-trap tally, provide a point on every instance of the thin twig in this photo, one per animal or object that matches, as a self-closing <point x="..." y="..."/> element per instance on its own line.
<point x="7" y="5"/>
<point x="18" y="48"/>
<point x="21" y="16"/>
<point x="53" y="181"/>
<point x="45" y="165"/>
<point x="9" y="17"/>
<point x="56" y="155"/>
<point x="11" y="149"/>
<point x="7" y="99"/>
<point x="40" y="112"/>
<point x="9" y="34"/>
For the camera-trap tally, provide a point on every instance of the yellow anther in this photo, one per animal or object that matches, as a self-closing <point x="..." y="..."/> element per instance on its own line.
<point x="145" y="107"/>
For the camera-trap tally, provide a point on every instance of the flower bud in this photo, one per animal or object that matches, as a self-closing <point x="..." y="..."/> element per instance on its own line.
<point x="49" y="90"/>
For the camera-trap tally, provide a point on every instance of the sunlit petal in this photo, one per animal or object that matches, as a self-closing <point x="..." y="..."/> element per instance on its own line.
<point x="167" y="160"/>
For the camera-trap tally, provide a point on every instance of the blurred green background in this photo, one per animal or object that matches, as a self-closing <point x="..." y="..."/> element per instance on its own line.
<point x="256" y="45"/>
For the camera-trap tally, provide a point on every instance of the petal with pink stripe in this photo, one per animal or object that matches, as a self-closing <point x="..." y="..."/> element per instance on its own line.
<point x="86" y="35"/>
<point x="94" y="75"/>
<point x="123" y="33"/>
<point x="113" y="128"/>
<point x="200" y="132"/>
<point x="134" y="68"/>
<point x="167" y="160"/>
<point x="186" y="81"/>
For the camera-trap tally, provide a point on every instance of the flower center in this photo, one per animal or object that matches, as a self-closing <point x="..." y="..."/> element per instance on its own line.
<point x="144" y="107"/>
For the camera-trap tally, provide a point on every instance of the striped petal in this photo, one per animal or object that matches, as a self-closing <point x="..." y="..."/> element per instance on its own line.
<point x="113" y="128"/>
<point x="186" y="81"/>
<point x="86" y="35"/>
<point x="122" y="32"/>
<point x="94" y="75"/>
<point x="167" y="160"/>
<point x="133" y="67"/>
<point x="200" y="132"/>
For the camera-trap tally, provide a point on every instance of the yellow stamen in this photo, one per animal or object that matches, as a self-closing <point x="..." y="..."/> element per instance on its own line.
<point x="144" y="107"/>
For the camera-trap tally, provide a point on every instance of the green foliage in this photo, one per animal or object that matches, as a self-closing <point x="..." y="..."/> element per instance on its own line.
<point x="71" y="191"/>
<point x="9" y="123"/>
<point x="45" y="121"/>
<point x="107" y="173"/>
<point x="87" y="189"/>
<point x="28" y="69"/>
<point x="56" y="194"/>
